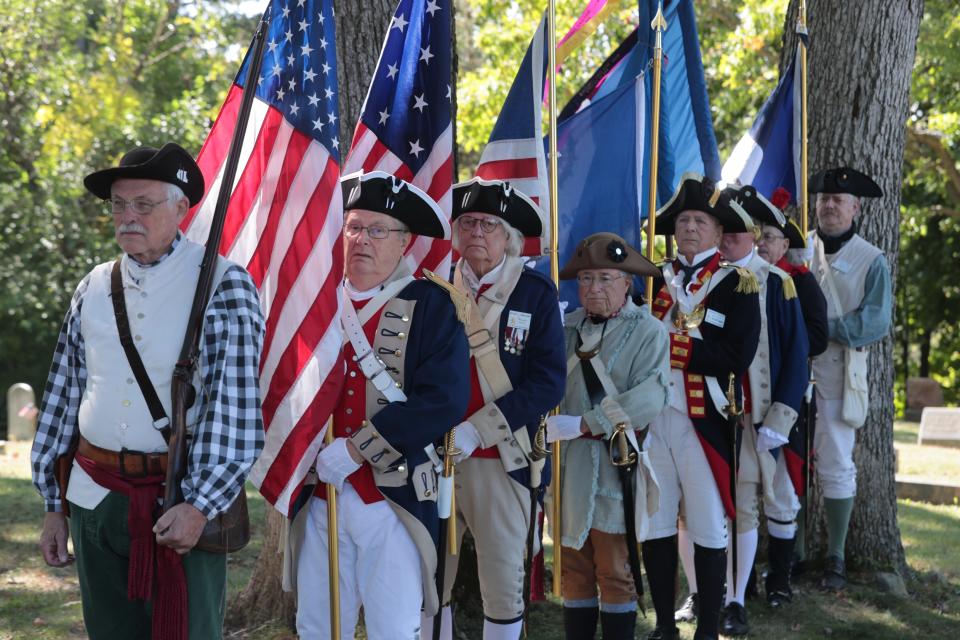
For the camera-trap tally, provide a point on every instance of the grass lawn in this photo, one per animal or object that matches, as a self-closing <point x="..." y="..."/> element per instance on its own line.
<point x="40" y="602"/>
<point x="927" y="462"/>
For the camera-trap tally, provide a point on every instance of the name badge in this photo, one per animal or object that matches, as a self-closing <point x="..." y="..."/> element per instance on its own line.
<point x="715" y="318"/>
<point x="841" y="265"/>
<point x="518" y="320"/>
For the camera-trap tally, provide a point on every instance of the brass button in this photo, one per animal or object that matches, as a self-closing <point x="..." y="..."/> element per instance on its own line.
<point x="503" y="427"/>
<point x="141" y="316"/>
<point x="398" y="352"/>
<point x="126" y="403"/>
<point x="349" y="411"/>
<point x="401" y="335"/>
<point x="138" y="338"/>
<point x="405" y="318"/>
<point x="129" y="380"/>
<point x="401" y="468"/>
<point x="353" y="374"/>
<point x="363" y="423"/>
<point x="518" y="460"/>
<point x="399" y="385"/>
<point x="349" y="392"/>
<point x="348" y="430"/>
<point x="427" y="493"/>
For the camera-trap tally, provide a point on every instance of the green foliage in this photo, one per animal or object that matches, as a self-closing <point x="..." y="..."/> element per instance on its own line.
<point x="84" y="82"/>
<point x="928" y="296"/>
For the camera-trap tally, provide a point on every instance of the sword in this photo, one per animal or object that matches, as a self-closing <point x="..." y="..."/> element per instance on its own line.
<point x="625" y="460"/>
<point x="811" y="422"/>
<point x="733" y="419"/>
<point x="446" y="508"/>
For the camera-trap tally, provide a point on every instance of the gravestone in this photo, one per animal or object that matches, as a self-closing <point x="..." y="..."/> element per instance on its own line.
<point x="923" y="393"/>
<point x="21" y="412"/>
<point x="940" y="425"/>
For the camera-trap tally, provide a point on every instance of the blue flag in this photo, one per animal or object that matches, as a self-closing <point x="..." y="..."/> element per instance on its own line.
<point x="603" y="137"/>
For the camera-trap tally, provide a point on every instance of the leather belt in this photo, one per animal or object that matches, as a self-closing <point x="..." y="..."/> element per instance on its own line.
<point x="126" y="462"/>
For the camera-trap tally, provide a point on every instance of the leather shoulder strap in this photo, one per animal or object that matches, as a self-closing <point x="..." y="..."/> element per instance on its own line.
<point x="160" y="419"/>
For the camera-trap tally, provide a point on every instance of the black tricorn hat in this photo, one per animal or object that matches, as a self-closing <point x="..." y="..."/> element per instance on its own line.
<point x="498" y="198"/>
<point x="607" y="251"/>
<point x="780" y="198"/>
<point x="171" y="163"/>
<point x="845" y="180"/>
<point x="381" y="192"/>
<point x="756" y="206"/>
<point x="699" y="193"/>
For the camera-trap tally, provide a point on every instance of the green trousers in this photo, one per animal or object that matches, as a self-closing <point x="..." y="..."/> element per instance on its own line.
<point x="102" y="545"/>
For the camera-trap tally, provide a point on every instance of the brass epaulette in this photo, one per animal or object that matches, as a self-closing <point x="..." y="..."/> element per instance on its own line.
<point x="789" y="288"/>
<point x="748" y="281"/>
<point x="461" y="301"/>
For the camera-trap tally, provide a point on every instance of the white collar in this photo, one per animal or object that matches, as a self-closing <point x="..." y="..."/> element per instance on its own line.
<point x="489" y="278"/>
<point x="745" y="260"/>
<point x="359" y="296"/>
<point x="700" y="257"/>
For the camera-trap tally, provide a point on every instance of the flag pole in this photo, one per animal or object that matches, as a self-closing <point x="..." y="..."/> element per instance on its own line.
<point x="802" y="196"/>
<point x="333" y="548"/>
<point x="658" y="25"/>
<point x="555" y="515"/>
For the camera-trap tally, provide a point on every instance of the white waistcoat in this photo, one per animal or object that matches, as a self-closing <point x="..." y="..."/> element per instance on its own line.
<point x="113" y="413"/>
<point x="849" y="267"/>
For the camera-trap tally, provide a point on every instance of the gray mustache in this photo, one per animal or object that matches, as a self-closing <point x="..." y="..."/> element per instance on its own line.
<point x="132" y="227"/>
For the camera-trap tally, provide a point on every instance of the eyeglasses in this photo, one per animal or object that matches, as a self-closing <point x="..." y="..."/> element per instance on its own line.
<point x="486" y="224"/>
<point x="140" y="206"/>
<point x="375" y="231"/>
<point x="772" y="237"/>
<point x="604" y="280"/>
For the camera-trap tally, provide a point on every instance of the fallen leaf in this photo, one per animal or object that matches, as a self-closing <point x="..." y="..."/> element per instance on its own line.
<point x="39" y="622"/>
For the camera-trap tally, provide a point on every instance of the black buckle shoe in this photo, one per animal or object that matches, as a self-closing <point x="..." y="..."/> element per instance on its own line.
<point x="834" y="574"/>
<point x="661" y="633"/>
<point x="688" y="610"/>
<point x="733" y="620"/>
<point x="778" y="598"/>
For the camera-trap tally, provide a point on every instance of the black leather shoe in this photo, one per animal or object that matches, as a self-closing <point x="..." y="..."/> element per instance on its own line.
<point x="798" y="569"/>
<point x="687" y="611"/>
<point x="733" y="620"/>
<point x="834" y="574"/>
<point x="660" y="633"/>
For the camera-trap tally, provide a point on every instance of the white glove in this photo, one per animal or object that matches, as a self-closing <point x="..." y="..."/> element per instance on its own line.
<point x="563" y="428"/>
<point x="467" y="440"/>
<point x="334" y="463"/>
<point x="768" y="439"/>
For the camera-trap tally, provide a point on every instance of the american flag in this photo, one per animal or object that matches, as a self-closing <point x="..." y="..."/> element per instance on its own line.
<point x="283" y="224"/>
<point x="405" y="127"/>
<point x="515" y="151"/>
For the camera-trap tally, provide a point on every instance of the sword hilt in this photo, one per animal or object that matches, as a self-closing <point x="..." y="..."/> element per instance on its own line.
<point x="539" y="449"/>
<point x="619" y="447"/>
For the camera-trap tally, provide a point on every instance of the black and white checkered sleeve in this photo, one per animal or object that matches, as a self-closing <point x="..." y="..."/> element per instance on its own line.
<point x="57" y="422"/>
<point x="229" y="434"/>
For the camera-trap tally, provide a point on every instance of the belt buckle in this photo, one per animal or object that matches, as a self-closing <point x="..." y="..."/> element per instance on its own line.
<point x="480" y="333"/>
<point x="123" y="467"/>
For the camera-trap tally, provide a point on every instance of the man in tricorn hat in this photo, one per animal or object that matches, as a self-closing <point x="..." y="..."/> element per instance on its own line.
<point x="711" y="310"/>
<point x="406" y="384"/>
<point x="855" y="279"/>
<point x="516" y="376"/>
<point x="773" y="390"/>
<point x="95" y="401"/>
<point x="784" y="247"/>
<point x="617" y="383"/>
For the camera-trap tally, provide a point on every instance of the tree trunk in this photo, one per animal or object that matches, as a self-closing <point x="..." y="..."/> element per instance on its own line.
<point x="263" y="599"/>
<point x="860" y="61"/>
<point x="361" y="25"/>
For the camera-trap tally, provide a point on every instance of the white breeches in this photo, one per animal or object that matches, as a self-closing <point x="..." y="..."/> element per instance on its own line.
<point x="379" y="570"/>
<point x="833" y="446"/>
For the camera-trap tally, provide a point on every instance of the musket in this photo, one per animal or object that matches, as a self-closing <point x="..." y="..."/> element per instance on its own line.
<point x="538" y="451"/>
<point x="447" y="511"/>
<point x="810" y="420"/>
<point x="182" y="388"/>
<point x="625" y="460"/>
<point x="733" y="420"/>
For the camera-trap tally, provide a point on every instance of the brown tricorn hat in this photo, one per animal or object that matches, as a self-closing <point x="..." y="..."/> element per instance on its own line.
<point x="607" y="251"/>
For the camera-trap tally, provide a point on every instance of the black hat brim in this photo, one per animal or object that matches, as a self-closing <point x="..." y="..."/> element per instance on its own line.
<point x="498" y="198"/>
<point x="792" y="233"/>
<point x="171" y="164"/>
<point x="845" y="180"/>
<point x="381" y="192"/>
<point x="756" y="206"/>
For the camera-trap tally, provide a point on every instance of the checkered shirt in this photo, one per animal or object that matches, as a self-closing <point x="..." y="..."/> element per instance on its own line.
<point x="229" y="435"/>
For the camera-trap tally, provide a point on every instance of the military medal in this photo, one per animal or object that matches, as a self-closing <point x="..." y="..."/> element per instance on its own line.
<point x="518" y="329"/>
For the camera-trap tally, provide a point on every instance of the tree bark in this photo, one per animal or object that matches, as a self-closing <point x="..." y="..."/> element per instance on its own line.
<point x="860" y="61"/>
<point x="263" y="599"/>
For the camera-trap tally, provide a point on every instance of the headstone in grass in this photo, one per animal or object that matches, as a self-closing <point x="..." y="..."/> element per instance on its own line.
<point x="21" y="412"/>
<point x="940" y="426"/>
<point x="923" y="393"/>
